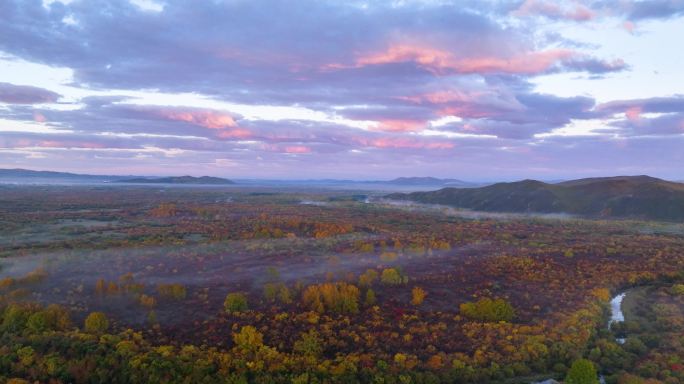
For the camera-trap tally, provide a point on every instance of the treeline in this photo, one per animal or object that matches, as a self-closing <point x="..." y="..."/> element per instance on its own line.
<point x="43" y="344"/>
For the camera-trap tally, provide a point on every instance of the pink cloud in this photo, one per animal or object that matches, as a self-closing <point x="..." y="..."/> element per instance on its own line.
<point x="207" y="119"/>
<point x="425" y="56"/>
<point x="397" y="125"/>
<point x="39" y="117"/>
<point x="441" y="61"/>
<point x="467" y="111"/>
<point x="531" y="63"/>
<point x="55" y="144"/>
<point x="469" y="127"/>
<point x="297" y="149"/>
<point x="575" y="11"/>
<point x="31" y="143"/>
<point x="473" y="104"/>
<point x="223" y="122"/>
<point x="236" y="133"/>
<point x="292" y="149"/>
<point x="582" y="13"/>
<point x="21" y="143"/>
<point x="441" y="97"/>
<point x="633" y="113"/>
<point x="402" y="142"/>
<point x="629" y="26"/>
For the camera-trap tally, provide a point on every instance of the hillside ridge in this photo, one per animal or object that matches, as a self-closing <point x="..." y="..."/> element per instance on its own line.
<point x="640" y="196"/>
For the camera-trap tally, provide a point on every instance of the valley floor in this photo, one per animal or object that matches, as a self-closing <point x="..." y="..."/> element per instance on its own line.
<point x="148" y="284"/>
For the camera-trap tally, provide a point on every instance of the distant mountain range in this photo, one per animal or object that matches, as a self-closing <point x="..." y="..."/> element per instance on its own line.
<point x="623" y="196"/>
<point x="203" y="180"/>
<point x="25" y="174"/>
<point x="428" y="181"/>
<point x="398" y="182"/>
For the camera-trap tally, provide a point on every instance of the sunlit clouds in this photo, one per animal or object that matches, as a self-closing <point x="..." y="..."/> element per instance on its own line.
<point x="474" y="90"/>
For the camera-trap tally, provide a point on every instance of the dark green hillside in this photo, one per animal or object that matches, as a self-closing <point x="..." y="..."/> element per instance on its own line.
<point x="625" y="196"/>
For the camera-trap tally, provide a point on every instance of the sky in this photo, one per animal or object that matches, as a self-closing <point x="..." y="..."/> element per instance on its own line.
<point x="476" y="90"/>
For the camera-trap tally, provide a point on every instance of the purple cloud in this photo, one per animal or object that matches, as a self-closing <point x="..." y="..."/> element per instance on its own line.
<point x="655" y="9"/>
<point x="419" y="85"/>
<point x="655" y="105"/>
<point x="571" y="10"/>
<point x="313" y="49"/>
<point x="23" y="94"/>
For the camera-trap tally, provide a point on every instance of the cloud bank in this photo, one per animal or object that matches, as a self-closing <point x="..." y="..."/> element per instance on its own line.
<point x="327" y="89"/>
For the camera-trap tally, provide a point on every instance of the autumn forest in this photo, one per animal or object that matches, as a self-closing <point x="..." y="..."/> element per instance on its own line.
<point x="239" y="285"/>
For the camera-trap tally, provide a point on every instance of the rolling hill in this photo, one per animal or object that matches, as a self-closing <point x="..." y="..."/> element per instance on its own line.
<point x="623" y="196"/>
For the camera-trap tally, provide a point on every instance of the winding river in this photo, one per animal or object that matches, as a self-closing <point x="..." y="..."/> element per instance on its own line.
<point x="616" y="314"/>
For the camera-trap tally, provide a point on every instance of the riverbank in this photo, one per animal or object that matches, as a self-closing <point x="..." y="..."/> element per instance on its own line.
<point x="647" y="322"/>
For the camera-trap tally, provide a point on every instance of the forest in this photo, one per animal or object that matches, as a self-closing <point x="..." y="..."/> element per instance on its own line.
<point x="256" y="285"/>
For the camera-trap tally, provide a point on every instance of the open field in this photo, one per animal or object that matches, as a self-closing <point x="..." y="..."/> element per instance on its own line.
<point x="375" y="290"/>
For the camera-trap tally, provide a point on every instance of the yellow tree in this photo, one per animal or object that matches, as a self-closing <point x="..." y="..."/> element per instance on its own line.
<point x="417" y="295"/>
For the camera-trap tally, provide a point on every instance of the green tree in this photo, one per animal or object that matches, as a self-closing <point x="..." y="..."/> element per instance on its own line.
<point x="272" y="274"/>
<point x="58" y="317"/>
<point x="310" y="347"/>
<point x="14" y="318"/>
<point x="487" y="309"/>
<point x="391" y="276"/>
<point x="248" y="339"/>
<point x="96" y="322"/>
<point x="367" y="278"/>
<point x="582" y="371"/>
<point x="235" y="302"/>
<point x="284" y="295"/>
<point x="271" y="291"/>
<point x="38" y="322"/>
<point x="27" y="356"/>
<point x="677" y="289"/>
<point x="370" y="297"/>
<point x="309" y="344"/>
<point x="173" y="291"/>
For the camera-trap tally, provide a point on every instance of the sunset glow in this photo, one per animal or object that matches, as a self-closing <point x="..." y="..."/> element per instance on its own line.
<point x="478" y="90"/>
